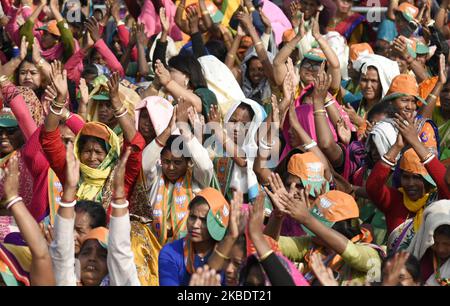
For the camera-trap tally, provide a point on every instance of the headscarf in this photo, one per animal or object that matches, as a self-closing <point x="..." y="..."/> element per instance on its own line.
<point x="160" y="111"/>
<point x="249" y="147"/>
<point x="278" y="19"/>
<point x="150" y="18"/>
<point x="383" y="135"/>
<point x="92" y="180"/>
<point x="387" y="69"/>
<point x="262" y="90"/>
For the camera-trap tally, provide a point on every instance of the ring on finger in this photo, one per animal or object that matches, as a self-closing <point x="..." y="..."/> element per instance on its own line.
<point x="405" y="122"/>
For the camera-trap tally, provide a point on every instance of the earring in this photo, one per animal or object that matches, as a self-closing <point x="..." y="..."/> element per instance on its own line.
<point x="186" y="82"/>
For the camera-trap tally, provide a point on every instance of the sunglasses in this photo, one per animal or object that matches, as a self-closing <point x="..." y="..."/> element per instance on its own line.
<point x="9" y="130"/>
<point x="311" y="65"/>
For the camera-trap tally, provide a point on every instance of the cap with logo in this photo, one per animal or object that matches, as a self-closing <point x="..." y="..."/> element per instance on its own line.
<point x="51" y="27"/>
<point x="403" y="85"/>
<point x="101" y="234"/>
<point x="410" y="162"/>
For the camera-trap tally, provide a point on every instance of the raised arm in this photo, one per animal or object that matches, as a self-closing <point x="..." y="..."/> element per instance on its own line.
<point x="27" y="28"/>
<point x="279" y="62"/>
<point x="10" y="67"/>
<point x="393" y="4"/>
<point x="198" y="46"/>
<point x="41" y="271"/>
<point x="206" y="17"/>
<point x="441" y="18"/>
<point x="400" y="45"/>
<point x="427" y="110"/>
<point x="179" y="21"/>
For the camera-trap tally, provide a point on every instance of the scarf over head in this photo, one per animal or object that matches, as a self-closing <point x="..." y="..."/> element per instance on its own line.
<point x="261" y="90"/>
<point x="160" y="111"/>
<point x="250" y="148"/>
<point x="383" y="135"/>
<point x="92" y="180"/>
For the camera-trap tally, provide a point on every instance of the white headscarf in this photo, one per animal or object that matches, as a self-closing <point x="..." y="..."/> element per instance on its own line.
<point x="245" y="179"/>
<point x="387" y="69"/>
<point x="383" y="135"/>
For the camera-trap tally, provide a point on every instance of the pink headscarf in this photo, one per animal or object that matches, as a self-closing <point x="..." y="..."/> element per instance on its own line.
<point x="160" y="111"/>
<point x="305" y="116"/>
<point x="278" y="19"/>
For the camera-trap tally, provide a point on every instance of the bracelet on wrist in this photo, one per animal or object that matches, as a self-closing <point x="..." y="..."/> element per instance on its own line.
<point x="320" y="111"/>
<point x="15" y="200"/>
<point x="68" y="204"/>
<point x="264" y="257"/>
<point x="118" y="206"/>
<point x="310" y="146"/>
<point x="124" y="112"/>
<point x="55" y="112"/>
<point x="221" y="255"/>
<point x="387" y="161"/>
<point x="159" y="143"/>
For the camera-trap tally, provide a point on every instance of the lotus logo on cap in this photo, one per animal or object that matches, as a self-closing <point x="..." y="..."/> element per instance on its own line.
<point x="325" y="202"/>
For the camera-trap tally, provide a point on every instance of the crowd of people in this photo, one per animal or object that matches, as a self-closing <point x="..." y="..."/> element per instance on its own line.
<point x="224" y="143"/>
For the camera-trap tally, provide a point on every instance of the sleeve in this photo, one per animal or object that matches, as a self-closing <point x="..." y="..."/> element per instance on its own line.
<point x="62" y="250"/>
<point x="294" y="248"/>
<point x="362" y="258"/>
<point x="23" y="116"/>
<point x="428" y="137"/>
<point x="265" y="38"/>
<point x="160" y="53"/>
<point x="277" y="273"/>
<point x="168" y="269"/>
<point x="27" y="30"/>
<point x="150" y="157"/>
<point x="109" y="57"/>
<point x="134" y="162"/>
<point x="124" y="37"/>
<point x="66" y="39"/>
<point x="203" y="166"/>
<point x="12" y="28"/>
<point x="437" y="171"/>
<point x="197" y="45"/>
<point x="381" y="195"/>
<point x="55" y="151"/>
<point x="121" y="268"/>
<point x="73" y="66"/>
<point x="75" y="123"/>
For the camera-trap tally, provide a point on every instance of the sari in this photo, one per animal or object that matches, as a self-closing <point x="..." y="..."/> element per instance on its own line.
<point x="93" y="181"/>
<point x="15" y="261"/>
<point x="355" y="29"/>
<point x="443" y="127"/>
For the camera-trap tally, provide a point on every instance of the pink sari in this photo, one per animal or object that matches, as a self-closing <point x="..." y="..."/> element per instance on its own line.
<point x="150" y="18"/>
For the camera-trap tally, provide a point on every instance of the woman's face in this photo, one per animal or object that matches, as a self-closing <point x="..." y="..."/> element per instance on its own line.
<point x="405" y="105"/>
<point x="179" y="77"/>
<point x="97" y="58"/>
<point x="422" y="59"/>
<point x="370" y="84"/>
<point x="441" y="246"/>
<point x="309" y="8"/>
<point x="29" y="76"/>
<point x="237" y="124"/>
<point x="173" y="167"/>
<point x="81" y="229"/>
<point x="10" y="139"/>
<point x="145" y="126"/>
<point x="48" y="40"/>
<point x="344" y="6"/>
<point x="255" y="71"/>
<point x="93" y="264"/>
<point x="233" y="265"/>
<point x="402" y="64"/>
<point x="293" y="179"/>
<point x="413" y="184"/>
<point x="92" y="154"/>
<point x="105" y="113"/>
<point x="308" y="71"/>
<point x="196" y="223"/>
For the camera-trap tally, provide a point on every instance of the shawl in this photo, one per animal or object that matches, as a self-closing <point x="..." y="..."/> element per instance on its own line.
<point x="383" y="135"/>
<point x="92" y="180"/>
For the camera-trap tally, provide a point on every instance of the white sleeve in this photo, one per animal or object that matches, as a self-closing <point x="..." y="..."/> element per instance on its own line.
<point x="150" y="157"/>
<point x="265" y="38"/>
<point x="203" y="166"/>
<point x="121" y="267"/>
<point x="62" y="251"/>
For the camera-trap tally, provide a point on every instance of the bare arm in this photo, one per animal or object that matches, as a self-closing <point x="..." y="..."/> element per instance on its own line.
<point x="279" y="62"/>
<point x="427" y="110"/>
<point x="393" y="4"/>
<point x="441" y="19"/>
<point x="207" y="20"/>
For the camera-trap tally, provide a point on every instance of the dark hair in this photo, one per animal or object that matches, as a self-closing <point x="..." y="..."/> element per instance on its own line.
<point x="443" y="229"/>
<point x="349" y="228"/>
<point x="384" y="107"/>
<point x="28" y="59"/>
<point x="248" y="108"/>
<point x="169" y="142"/>
<point x="190" y="66"/>
<point x="217" y="48"/>
<point x="247" y="72"/>
<point x="85" y="138"/>
<point x="412" y="265"/>
<point x="89" y="69"/>
<point x="251" y="262"/>
<point x="98" y="10"/>
<point x="95" y="211"/>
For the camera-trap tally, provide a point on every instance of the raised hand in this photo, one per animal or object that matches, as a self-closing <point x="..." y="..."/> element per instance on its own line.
<point x="323" y="273"/>
<point x="354" y="118"/>
<point x="11" y="181"/>
<point x="115" y="10"/>
<point x="72" y="168"/>
<point x="196" y="123"/>
<point x="164" y="20"/>
<point x="442" y="69"/>
<point x="162" y="73"/>
<point x="400" y="45"/>
<point x="36" y="51"/>
<point x="256" y="217"/>
<point x="297" y="208"/>
<point x="343" y="131"/>
<point x="321" y="85"/>
<point x="58" y="77"/>
<point x="193" y="18"/>
<point x="245" y="20"/>
<point x="214" y="114"/>
<point x="275" y="114"/>
<point x="235" y="226"/>
<point x="315" y="29"/>
<point x="204" y="276"/>
<point x="276" y="190"/>
<point x="407" y="128"/>
<point x="393" y="269"/>
<point x="23" y="48"/>
<point x="141" y="37"/>
<point x="84" y="91"/>
<point x="119" y="176"/>
<point x="113" y="86"/>
<point x="93" y="28"/>
<point x="266" y="21"/>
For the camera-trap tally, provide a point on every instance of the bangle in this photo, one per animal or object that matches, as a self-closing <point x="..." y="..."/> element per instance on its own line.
<point x="310" y="146"/>
<point x="252" y="9"/>
<point x="264" y="145"/>
<point x="68" y="204"/>
<point x="56" y="113"/>
<point x="122" y="114"/>
<point x="120" y="23"/>
<point x="258" y="43"/>
<point x="266" y="255"/>
<point x="220" y="254"/>
<point x="230" y="55"/>
<point x="428" y="158"/>
<point x="432" y="96"/>
<point x="40" y="63"/>
<point x="13" y="201"/>
<point x="159" y="143"/>
<point x="319" y="111"/>
<point x="58" y="105"/>
<point x="125" y="205"/>
<point x="387" y="161"/>
<point x="205" y="12"/>
<point x="329" y="103"/>
<point x="3" y="78"/>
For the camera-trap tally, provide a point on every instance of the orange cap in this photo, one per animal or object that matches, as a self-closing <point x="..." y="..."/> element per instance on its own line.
<point x="100" y="234"/>
<point x="51" y="27"/>
<point x="403" y="85"/>
<point x="288" y="35"/>
<point x="408" y="10"/>
<point x="337" y="206"/>
<point x="356" y="50"/>
<point x="219" y="212"/>
<point x="411" y="163"/>
<point x="96" y="129"/>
